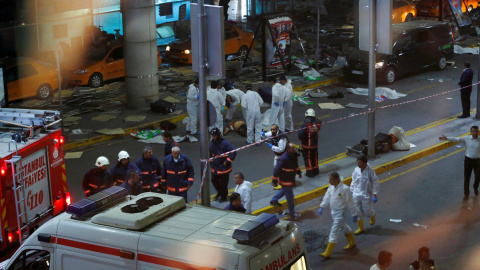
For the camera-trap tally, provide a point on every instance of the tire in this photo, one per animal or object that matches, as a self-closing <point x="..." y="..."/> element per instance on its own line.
<point x="442" y="62"/>
<point x="96" y="80"/>
<point x="242" y="52"/>
<point x="44" y="91"/>
<point x="409" y="17"/>
<point x="390" y="75"/>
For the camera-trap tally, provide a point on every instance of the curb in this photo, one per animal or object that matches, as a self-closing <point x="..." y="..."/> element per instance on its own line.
<point x="318" y="192"/>
<point x="175" y="119"/>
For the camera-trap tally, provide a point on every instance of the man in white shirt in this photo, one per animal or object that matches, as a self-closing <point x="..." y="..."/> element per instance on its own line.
<point x="289" y="102"/>
<point x="340" y="200"/>
<point x="364" y="188"/>
<point x="218" y="102"/>
<point x="472" y="159"/>
<point x="279" y="94"/>
<point x="251" y="103"/>
<point x="193" y="96"/>
<point x="243" y="188"/>
<point x="384" y="260"/>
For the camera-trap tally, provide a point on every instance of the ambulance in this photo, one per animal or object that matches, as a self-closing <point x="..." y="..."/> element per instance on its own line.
<point x="33" y="182"/>
<point x="112" y="230"/>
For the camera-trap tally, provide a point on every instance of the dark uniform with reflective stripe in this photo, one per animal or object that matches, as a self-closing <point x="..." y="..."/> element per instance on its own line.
<point x="285" y="171"/>
<point x="308" y="135"/>
<point x="177" y="176"/>
<point x="119" y="173"/>
<point x="95" y="180"/>
<point x="150" y="173"/>
<point x="220" y="173"/>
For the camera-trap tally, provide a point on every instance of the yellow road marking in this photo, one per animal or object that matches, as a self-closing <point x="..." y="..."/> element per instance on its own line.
<point x="420" y="88"/>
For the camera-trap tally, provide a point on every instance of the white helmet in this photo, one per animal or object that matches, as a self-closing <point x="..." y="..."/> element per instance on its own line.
<point x="102" y="161"/>
<point x="310" y="112"/>
<point x="123" y="154"/>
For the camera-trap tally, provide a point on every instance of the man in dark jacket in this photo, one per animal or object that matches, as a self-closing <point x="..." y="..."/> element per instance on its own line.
<point x="177" y="173"/>
<point x="222" y="166"/>
<point x="169" y="142"/>
<point x="150" y="170"/>
<point x="132" y="184"/>
<point x="423" y="262"/>
<point x="96" y="179"/>
<point x="308" y="135"/>
<point x="466" y="84"/>
<point x="287" y="167"/>
<point x="119" y="171"/>
<point x="235" y="203"/>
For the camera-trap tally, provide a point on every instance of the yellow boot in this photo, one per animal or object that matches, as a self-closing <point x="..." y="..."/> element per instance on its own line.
<point x="360" y="227"/>
<point x="277" y="187"/>
<point x="328" y="251"/>
<point x="372" y="220"/>
<point x="351" y="242"/>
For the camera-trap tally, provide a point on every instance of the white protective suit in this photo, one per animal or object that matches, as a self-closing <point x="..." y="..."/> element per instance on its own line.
<point x="251" y="103"/>
<point x="280" y="148"/>
<point x="218" y="102"/>
<point x="192" y="107"/>
<point x="364" y="185"/>
<point x="245" y="195"/>
<point x="236" y="96"/>
<point x="279" y="95"/>
<point x="340" y="201"/>
<point x="288" y="106"/>
<point x="222" y="92"/>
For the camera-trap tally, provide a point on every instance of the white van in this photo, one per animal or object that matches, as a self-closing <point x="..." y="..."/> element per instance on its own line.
<point x="112" y="230"/>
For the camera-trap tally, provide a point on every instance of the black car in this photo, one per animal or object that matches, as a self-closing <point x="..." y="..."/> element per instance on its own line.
<point x="416" y="45"/>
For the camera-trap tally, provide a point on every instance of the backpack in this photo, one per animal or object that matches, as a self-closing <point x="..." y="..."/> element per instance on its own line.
<point x="162" y="106"/>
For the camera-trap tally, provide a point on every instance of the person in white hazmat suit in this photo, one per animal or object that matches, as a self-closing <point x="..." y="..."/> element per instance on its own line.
<point x="234" y="97"/>
<point x="193" y="96"/>
<point x="251" y="103"/>
<point x="279" y="98"/>
<point x="221" y="89"/>
<point x="364" y="187"/>
<point x="339" y="198"/>
<point x="243" y="188"/>
<point x="218" y="102"/>
<point x="288" y="106"/>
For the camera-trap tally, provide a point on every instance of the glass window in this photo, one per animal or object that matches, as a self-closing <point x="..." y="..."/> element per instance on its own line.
<point x="231" y="33"/>
<point x="26" y="70"/>
<point x="421" y="36"/>
<point x="403" y="41"/>
<point x="11" y="74"/>
<point x="96" y="53"/>
<point x="399" y="4"/>
<point x="32" y="260"/>
<point x="117" y="54"/>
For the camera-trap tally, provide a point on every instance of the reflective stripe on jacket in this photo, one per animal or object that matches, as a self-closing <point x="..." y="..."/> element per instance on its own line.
<point x="177" y="176"/>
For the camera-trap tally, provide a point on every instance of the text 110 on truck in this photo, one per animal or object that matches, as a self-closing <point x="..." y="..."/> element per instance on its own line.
<point x="32" y="173"/>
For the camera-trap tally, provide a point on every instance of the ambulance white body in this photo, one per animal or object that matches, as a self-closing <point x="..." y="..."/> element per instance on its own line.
<point x="157" y="231"/>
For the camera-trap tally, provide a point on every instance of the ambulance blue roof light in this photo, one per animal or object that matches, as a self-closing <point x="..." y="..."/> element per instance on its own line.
<point x="96" y="201"/>
<point x="255" y="227"/>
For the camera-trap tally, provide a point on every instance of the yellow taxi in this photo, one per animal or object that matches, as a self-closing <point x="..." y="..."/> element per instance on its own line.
<point x="403" y="11"/>
<point x="237" y="42"/>
<point x="27" y="77"/>
<point x="430" y="8"/>
<point x="98" y="64"/>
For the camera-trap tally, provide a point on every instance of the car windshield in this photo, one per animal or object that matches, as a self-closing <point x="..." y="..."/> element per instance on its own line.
<point x="96" y="53"/>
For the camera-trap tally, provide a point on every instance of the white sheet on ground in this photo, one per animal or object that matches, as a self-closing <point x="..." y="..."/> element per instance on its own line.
<point x="461" y="50"/>
<point x="379" y="91"/>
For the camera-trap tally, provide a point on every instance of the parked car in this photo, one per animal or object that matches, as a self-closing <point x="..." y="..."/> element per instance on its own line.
<point x="27" y="77"/>
<point x="403" y="11"/>
<point x="237" y="42"/>
<point x="431" y="8"/>
<point x="417" y="45"/>
<point x="98" y="64"/>
<point x="165" y="35"/>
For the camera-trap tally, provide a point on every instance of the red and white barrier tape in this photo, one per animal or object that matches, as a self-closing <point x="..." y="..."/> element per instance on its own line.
<point x="201" y="184"/>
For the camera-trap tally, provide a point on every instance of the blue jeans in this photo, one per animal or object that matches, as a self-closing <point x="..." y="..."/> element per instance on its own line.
<point x="288" y="193"/>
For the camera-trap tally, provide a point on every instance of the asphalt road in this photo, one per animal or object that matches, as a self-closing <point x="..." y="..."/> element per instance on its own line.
<point x="257" y="162"/>
<point x="427" y="192"/>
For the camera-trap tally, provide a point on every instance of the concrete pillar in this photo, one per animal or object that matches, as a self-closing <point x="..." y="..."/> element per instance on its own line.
<point x="140" y="52"/>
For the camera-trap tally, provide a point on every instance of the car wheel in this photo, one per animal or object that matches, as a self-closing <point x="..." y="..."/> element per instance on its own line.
<point x="95" y="80"/>
<point x="242" y="52"/>
<point x="44" y="91"/>
<point x="390" y="75"/>
<point x="409" y="17"/>
<point x="442" y="63"/>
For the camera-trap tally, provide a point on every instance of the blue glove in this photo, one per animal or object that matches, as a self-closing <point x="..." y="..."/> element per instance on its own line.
<point x="374" y="199"/>
<point x="223" y="108"/>
<point x="230" y="106"/>
<point x="198" y="96"/>
<point x="284" y="103"/>
<point x="320" y="211"/>
<point x="355" y="219"/>
<point x="276" y="104"/>
<point x="269" y="145"/>
<point x="262" y="133"/>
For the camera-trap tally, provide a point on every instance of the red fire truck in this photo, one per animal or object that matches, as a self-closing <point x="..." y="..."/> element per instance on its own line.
<point x="33" y="182"/>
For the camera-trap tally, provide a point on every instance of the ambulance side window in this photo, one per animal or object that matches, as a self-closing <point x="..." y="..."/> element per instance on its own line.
<point x="32" y="260"/>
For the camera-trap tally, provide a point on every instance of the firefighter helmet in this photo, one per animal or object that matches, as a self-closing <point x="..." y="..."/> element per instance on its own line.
<point x="310" y="112"/>
<point x="122" y="154"/>
<point x="215" y="131"/>
<point x="101" y="161"/>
